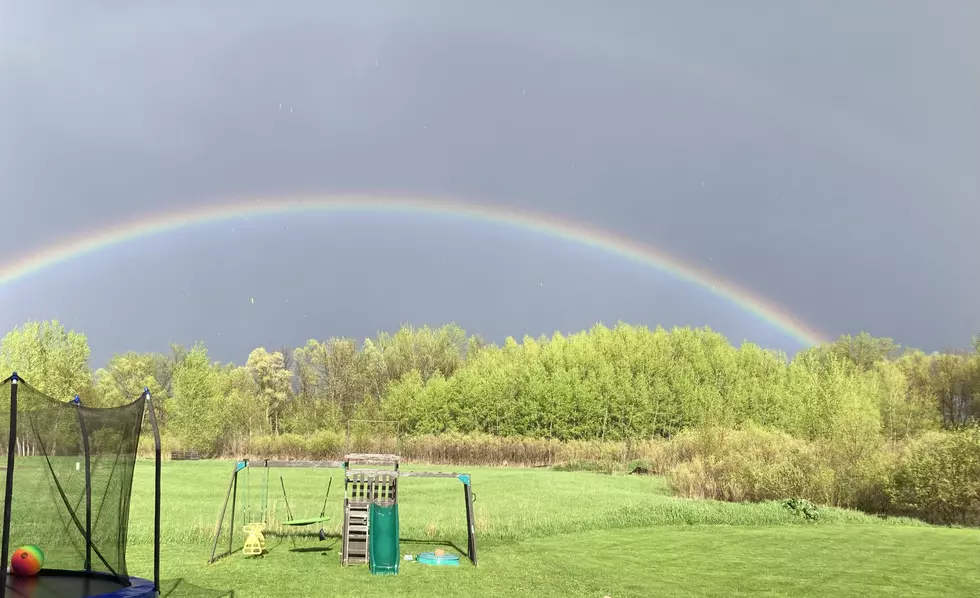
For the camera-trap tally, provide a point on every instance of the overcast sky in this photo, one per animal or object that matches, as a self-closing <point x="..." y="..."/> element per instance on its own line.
<point x="822" y="154"/>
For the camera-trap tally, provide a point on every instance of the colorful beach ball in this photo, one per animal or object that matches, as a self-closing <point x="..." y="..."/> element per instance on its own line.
<point x="27" y="561"/>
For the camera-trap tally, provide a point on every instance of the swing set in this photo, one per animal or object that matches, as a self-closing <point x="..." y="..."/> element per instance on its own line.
<point x="257" y="520"/>
<point x="370" y="532"/>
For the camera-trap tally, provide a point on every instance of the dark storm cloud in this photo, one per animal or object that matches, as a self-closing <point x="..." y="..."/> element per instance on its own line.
<point x="823" y="155"/>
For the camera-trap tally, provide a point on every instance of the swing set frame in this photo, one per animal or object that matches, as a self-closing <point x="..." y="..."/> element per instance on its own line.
<point x="231" y="497"/>
<point x="366" y="476"/>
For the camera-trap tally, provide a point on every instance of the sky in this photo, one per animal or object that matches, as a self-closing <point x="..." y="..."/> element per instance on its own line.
<point x="823" y="155"/>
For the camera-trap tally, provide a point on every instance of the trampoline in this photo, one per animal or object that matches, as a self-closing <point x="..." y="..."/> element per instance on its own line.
<point x="76" y="584"/>
<point x="67" y="489"/>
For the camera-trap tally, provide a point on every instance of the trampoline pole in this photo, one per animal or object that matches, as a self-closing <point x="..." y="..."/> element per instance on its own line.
<point x="88" y="485"/>
<point x="156" y="491"/>
<point x="8" y="488"/>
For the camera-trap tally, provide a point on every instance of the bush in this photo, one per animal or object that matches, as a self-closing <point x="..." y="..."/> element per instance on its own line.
<point x="938" y="478"/>
<point x="862" y="472"/>
<point x="638" y="467"/>
<point x="749" y="465"/>
<point x="284" y="446"/>
<point x="935" y="477"/>
<point x="325" y="444"/>
<point x="802" y="508"/>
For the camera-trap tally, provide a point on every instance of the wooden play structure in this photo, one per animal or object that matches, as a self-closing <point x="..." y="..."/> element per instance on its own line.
<point x="370" y="532"/>
<point x="362" y="489"/>
<point x="367" y="489"/>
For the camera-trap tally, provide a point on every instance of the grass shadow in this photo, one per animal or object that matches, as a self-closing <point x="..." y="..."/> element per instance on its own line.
<point x="179" y="588"/>
<point x="334" y="540"/>
<point x="304" y="535"/>
<point x="280" y="538"/>
<point x="311" y="549"/>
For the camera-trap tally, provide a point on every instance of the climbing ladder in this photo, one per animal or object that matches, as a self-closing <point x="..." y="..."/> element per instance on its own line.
<point x="356" y="532"/>
<point x="362" y="487"/>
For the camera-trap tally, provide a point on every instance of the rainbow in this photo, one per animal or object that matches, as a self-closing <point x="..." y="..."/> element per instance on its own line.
<point x="546" y="224"/>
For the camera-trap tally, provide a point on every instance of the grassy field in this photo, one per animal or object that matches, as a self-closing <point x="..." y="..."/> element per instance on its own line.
<point x="546" y="533"/>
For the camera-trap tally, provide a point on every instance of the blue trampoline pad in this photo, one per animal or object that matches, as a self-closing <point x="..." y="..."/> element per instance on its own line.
<point x="75" y="584"/>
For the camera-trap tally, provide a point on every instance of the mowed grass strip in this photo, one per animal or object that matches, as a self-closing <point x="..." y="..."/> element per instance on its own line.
<point x="833" y="560"/>
<point x="511" y="504"/>
<point x="550" y="533"/>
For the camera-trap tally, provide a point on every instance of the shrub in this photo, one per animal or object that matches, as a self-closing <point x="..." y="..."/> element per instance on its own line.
<point x="284" y="446"/>
<point x="749" y="465"/>
<point x="638" y="467"/>
<point x="325" y="444"/>
<point x="938" y="478"/>
<point x="861" y="473"/>
<point x="802" y="508"/>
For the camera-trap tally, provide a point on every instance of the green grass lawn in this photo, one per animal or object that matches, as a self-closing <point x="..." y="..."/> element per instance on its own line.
<point x="545" y="533"/>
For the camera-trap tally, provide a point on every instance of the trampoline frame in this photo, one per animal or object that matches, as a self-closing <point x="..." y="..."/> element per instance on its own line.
<point x="138" y="587"/>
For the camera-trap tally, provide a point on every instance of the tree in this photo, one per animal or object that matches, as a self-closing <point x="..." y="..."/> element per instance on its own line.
<point x="956" y="386"/>
<point x="126" y="375"/>
<point x="198" y="412"/>
<point x="273" y="381"/>
<point x="910" y="410"/>
<point x="863" y="350"/>
<point x="624" y="384"/>
<point x="51" y="359"/>
<point x="245" y="416"/>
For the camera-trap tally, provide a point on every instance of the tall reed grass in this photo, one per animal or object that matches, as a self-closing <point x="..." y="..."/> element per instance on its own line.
<point x="455" y="449"/>
<point x="747" y="465"/>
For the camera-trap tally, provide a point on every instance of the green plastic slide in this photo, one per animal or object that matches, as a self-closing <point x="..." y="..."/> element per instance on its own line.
<point x="383" y="542"/>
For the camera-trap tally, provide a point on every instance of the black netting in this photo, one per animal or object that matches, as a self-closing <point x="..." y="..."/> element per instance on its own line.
<point x="59" y="447"/>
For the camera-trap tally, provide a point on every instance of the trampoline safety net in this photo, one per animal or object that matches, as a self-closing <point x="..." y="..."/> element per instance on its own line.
<point x="59" y="446"/>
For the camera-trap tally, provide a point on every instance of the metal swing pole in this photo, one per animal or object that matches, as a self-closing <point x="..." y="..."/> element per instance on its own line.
<point x="231" y="494"/>
<point x="285" y="498"/>
<point x="289" y="512"/>
<point x="265" y="496"/>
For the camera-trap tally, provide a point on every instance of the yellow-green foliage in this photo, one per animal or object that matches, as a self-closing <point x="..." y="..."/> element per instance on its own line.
<point x="836" y="424"/>
<point x="625" y="384"/>
<point x="749" y="465"/>
<point x="935" y="477"/>
<point x="938" y="478"/>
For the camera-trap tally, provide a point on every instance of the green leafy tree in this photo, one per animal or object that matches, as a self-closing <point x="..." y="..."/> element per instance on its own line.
<point x="625" y="384"/>
<point x="273" y="382"/>
<point x="51" y="359"/>
<point x="125" y="376"/>
<point x="198" y="412"/>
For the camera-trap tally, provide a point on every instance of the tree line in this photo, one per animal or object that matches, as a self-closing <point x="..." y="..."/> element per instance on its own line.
<point x="623" y="384"/>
